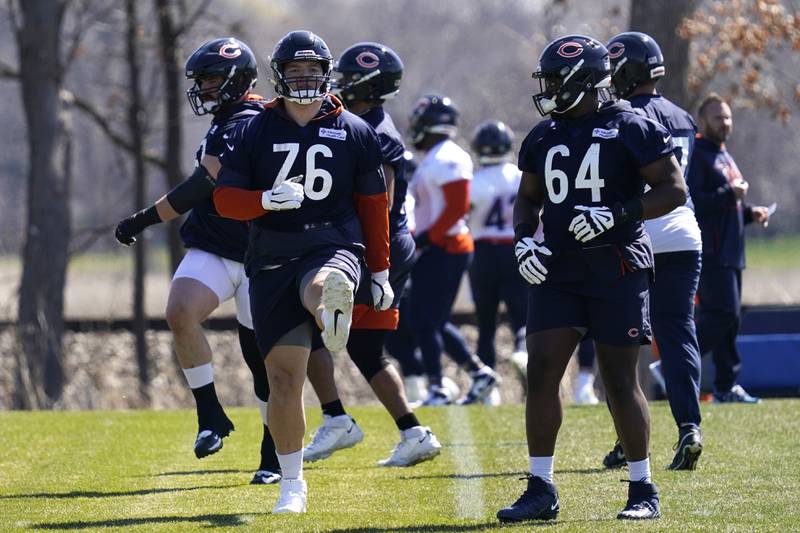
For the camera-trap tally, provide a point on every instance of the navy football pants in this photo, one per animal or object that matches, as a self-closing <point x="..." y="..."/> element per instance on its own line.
<point x="672" y="320"/>
<point x="434" y="285"/>
<point x="494" y="276"/>
<point x="718" y="322"/>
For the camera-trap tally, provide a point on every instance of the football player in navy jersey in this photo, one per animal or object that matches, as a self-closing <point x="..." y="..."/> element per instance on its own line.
<point x="308" y="174"/>
<point x="493" y="273"/>
<point x="585" y="170"/>
<point x="224" y="71"/>
<point x="638" y="64"/>
<point x="370" y="74"/>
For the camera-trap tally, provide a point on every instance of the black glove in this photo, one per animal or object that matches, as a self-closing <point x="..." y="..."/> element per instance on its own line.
<point x="128" y="229"/>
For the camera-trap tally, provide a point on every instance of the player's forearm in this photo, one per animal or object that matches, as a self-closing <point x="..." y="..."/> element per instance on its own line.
<point x="238" y="204"/>
<point x="373" y="213"/>
<point x="526" y="217"/>
<point x="662" y="198"/>
<point x="456" y="197"/>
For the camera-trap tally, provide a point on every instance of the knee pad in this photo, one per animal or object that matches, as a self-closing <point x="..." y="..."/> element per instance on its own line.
<point x="255" y="362"/>
<point x="365" y="348"/>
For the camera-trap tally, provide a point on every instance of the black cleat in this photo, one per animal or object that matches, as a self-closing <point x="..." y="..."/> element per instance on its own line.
<point x="538" y="502"/>
<point x="266" y="477"/>
<point x="688" y="449"/>
<point x="209" y="439"/>
<point x="615" y="458"/>
<point x="643" y="502"/>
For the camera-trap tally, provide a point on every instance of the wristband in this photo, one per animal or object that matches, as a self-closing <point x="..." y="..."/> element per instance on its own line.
<point x="630" y="211"/>
<point x="522" y="230"/>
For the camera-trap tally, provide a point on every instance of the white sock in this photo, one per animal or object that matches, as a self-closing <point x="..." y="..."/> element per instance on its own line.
<point x="542" y="467"/>
<point x="585" y="379"/>
<point x="640" y="470"/>
<point x="262" y="408"/>
<point x="199" y="375"/>
<point x="291" y="464"/>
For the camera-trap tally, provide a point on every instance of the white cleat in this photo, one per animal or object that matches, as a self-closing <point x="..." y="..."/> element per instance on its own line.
<point x="335" y="433"/>
<point x="416" y="445"/>
<point x="337" y="312"/>
<point x="586" y="396"/>
<point x="292" y="498"/>
<point x="493" y="399"/>
<point x="416" y="388"/>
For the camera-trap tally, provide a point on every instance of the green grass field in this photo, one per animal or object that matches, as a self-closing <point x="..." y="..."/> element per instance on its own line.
<point x="135" y="471"/>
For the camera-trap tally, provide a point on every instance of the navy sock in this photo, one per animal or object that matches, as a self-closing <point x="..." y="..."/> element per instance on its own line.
<point x="407" y="422"/>
<point x="334" y="408"/>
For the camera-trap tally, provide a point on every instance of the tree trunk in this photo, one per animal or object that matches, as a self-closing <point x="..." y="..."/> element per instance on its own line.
<point x="173" y="74"/>
<point x="660" y="20"/>
<point x="135" y="114"/>
<point x="41" y="294"/>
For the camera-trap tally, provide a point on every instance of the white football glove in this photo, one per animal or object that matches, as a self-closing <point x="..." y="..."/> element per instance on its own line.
<point x="530" y="267"/>
<point x="591" y="222"/>
<point x="288" y="195"/>
<point x="382" y="293"/>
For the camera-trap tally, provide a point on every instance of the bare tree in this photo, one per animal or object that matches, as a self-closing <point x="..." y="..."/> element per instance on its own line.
<point x="40" y="375"/>
<point x="135" y="128"/>
<point x="169" y="35"/>
<point x="661" y="20"/>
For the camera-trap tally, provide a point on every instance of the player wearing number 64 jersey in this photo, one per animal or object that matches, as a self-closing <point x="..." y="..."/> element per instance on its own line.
<point x="585" y="169"/>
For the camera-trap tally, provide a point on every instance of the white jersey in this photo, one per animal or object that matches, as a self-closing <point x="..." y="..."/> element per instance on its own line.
<point x="494" y="189"/>
<point x="445" y="163"/>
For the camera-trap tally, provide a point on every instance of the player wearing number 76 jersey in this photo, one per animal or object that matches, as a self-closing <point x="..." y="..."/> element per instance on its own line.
<point x="304" y="264"/>
<point x="585" y="169"/>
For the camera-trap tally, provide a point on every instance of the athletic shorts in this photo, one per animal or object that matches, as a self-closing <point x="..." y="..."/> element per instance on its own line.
<point x="225" y="278"/>
<point x="615" y="313"/>
<point x="275" y="292"/>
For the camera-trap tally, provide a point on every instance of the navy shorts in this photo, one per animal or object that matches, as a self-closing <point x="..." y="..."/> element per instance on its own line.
<point x="275" y="293"/>
<point x="615" y="313"/>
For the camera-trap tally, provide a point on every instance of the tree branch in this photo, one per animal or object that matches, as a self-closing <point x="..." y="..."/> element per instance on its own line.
<point x="8" y="72"/>
<point x="105" y="126"/>
<point x="192" y="19"/>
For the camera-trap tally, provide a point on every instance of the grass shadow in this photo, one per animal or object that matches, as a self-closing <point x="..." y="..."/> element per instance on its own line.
<point x="112" y="494"/>
<point x="208" y="520"/>
<point x="494" y="524"/>
<point x="199" y="472"/>
<point x="482" y="475"/>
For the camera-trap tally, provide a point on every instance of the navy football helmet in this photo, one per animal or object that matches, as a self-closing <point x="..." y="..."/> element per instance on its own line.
<point x="570" y="67"/>
<point x="297" y="46"/>
<point x="492" y="142"/>
<point x="434" y="113"/>
<point x="228" y="58"/>
<point x="635" y="59"/>
<point x="369" y="72"/>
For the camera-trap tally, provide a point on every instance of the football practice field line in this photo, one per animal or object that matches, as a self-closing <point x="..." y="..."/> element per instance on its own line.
<point x="468" y="487"/>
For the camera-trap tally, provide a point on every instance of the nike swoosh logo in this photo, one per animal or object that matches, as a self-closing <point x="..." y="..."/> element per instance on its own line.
<point x="554" y="506"/>
<point x="336" y="319"/>
<point x="225" y="136"/>
<point x="230" y="147"/>
<point x="350" y="429"/>
<point x="423" y="439"/>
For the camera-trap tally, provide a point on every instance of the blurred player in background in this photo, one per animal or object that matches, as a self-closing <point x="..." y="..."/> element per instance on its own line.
<point x="224" y="71"/>
<point x="370" y="74"/>
<point x="494" y="274"/>
<point x="638" y="64"/>
<point x="441" y="187"/>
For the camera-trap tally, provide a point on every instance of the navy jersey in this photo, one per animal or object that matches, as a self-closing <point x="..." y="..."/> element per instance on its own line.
<point x="339" y="156"/>
<point x="677" y="231"/>
<point x="595" y="161"/>
<point x="392" y="149"/>
<point x="677" y="121"/>
<point x="204" y="228"/>
<point x="721" y="215"/>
